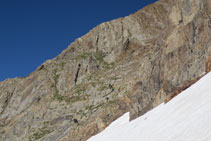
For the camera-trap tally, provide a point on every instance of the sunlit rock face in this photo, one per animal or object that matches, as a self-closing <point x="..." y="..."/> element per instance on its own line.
<point x="128" y="64"/>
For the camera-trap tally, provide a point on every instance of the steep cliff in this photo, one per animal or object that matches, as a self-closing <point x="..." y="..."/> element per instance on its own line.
<point x="129" y="64"/>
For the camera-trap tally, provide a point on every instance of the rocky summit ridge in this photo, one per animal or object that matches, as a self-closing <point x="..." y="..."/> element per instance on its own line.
<point x="128" y="64"/>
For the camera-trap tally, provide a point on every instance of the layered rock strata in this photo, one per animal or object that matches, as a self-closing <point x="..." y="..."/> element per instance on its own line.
<point x="128" y="64"/>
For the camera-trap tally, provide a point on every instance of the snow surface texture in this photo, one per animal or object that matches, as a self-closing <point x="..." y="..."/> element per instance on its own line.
<point x="186" y="117"/>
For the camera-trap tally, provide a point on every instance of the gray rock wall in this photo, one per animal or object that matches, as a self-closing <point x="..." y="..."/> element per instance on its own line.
<point x="128" y="64"/>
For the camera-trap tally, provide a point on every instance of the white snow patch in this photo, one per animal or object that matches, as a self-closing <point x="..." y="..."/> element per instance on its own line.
<point x="120" y="121"/>
<point x="187" y="117"/>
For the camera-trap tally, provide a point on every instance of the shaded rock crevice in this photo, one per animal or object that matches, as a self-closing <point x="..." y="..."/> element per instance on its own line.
<point x="77" y="73"/>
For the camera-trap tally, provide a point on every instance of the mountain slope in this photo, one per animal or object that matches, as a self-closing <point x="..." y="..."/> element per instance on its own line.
<point x="186" y="117"/>
<point x="128" y="64"/>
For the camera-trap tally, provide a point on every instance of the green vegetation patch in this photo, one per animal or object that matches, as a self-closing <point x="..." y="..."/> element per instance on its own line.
<point x="79" y="89"/>
<point x="93" y="107"/>
<point x="82" y="113"/>
<point x="1" y="125"/>
<point x="95" y="76"/>
<point x="107" y="65"/>
<point x="82" y="56"/>
<point x="68" y="99"/>
<point x="40" y="133"/>
<point x="113" y="102"/>
<point x="62" y="64"/>
<point x="55" y="75"/>
<point x="99" y="56"/>
<point x="102" y="87"/>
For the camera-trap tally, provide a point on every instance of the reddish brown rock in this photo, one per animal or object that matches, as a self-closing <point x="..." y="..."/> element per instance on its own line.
<point x="208" y="65"/>
<point x="180" y="89"/>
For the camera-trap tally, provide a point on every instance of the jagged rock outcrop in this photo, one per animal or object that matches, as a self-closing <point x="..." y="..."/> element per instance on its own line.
<point x="128" y="64"/>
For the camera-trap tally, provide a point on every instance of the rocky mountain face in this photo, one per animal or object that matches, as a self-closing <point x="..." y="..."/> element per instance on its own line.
<point x="128" y="64"/>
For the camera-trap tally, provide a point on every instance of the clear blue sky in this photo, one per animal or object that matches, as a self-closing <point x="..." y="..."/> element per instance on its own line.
<point x="32" y="31"/>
